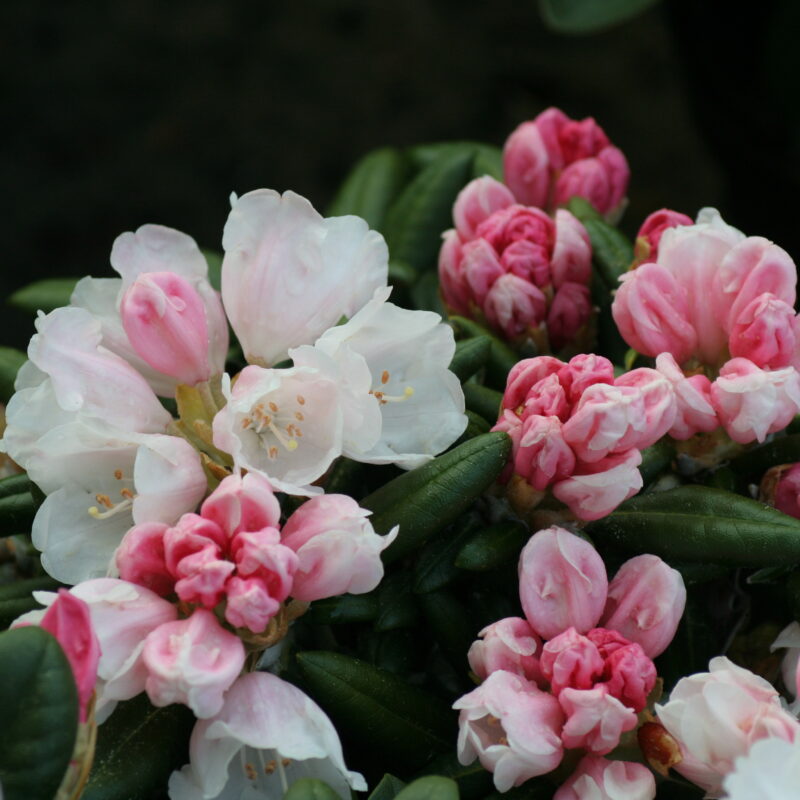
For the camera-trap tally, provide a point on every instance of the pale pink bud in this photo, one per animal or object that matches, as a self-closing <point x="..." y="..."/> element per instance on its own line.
<point x="600" y="487"/>
<point x="527" y="164"/>
<point x="694" y="412"/>
<point x="337" y="548"/>
<point x="651" y="311"/>
<point x="518" y="223"/>
<point x="261" y="554"/>
<point x="595" y="719"/>
<point x="541" y="455"/>
<point x="562" y="583"/>
<point x="608" y="419"/>
<point x="512" y="727"/>
<point x="140" y="558"/>
<point x="524" y="375"/>
<point x="787" y="492"/>
<point x="630" y="676"/>
<point x="547" y="398"/>
<point x="191" y="534"/>
<point x="192" y="661"/>
<point x="765" y="332"/>
<point x="645" y="603"/>
<point x="249" y="604"/>
<point x="583" y="371"/>
<point x="652" y="230"/>
<point x="242" y="503"/>
<point x="455" y="289"/>
<point x="479" y="199"/>
<point x="572" y="253"/>
<point x="509" y="644"/>
<point x="597" y="778"/>
<point x="69" y="620"/>
<point x="751" y="402"/>
<point x="569" y="312"/>
<point x="481" y="267"/>
<point x="514" y="306"/>
<point x="570" y="659"/>
<point x="529" y="261"/>
<point x="165" y="321"/>
<point x="659" y="405"/>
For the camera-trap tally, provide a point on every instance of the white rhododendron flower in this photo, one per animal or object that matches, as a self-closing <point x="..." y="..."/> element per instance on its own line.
<point x="769" y="771"/>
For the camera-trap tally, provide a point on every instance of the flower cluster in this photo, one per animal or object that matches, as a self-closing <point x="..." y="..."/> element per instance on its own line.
<point x="576" y="671"/>
<point x="578" y="431"/>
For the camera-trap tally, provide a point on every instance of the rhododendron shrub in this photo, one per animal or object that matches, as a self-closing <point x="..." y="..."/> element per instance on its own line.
<point x="485" y="495"/>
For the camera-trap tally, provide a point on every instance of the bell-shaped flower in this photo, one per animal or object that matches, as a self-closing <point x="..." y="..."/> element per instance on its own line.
<point x="285" y="424"/>
<point x="597" y="778"/>
<point x="512" y="727"/>
<point x="562" y="583"/>
<point x="751" y="402"/>
<point x="645" y="603"/>
<point x="509" y="644"/>
<point x="192" y="661"/>
<point x="770" y="769"/>
<point x="266" y="735"/>
<point x="408" y="354"/>
<point x="289" y="274"/>
<point x="337" y="549"/>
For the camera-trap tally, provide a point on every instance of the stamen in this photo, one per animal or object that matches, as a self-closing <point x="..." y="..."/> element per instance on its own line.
<point x="273" y="452"/>
<point x="301" y="400"/>
<point x="250" y="771"/>
<point x="288" y="444"/>
<point x="492" y="720"/>
<point x="298" y="415"/>
<point x="286" y="761"/>
<point x="273" y="407"/>
<point x="127" y="494"/>
<point x="284" y="782"/>
<point x="246" y="423"/>
<point x="118" y="474"/>
<point x="96" y="513"/>
<point x="385" y="377"/>
<point x="104" y="500"/>
<point x="270" y="767"/>
<point x="503" y="740"/>
<point x="384" y="398"/>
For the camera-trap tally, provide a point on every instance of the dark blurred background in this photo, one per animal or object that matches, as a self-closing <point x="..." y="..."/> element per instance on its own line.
<point x="136" y="111"/>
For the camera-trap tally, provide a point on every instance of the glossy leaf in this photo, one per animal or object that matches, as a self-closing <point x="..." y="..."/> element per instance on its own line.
<point x="436" y="566"/>
<point x="310" y="789"/>
<point x="755" y="461"/>
<point x="345" y="609"/>
<point x="492" y="546"/>
<point x="11" y="360"/>
<point x="483" y="401"/>
<point x="473" y="780"/>
<point x="387" y="788"/>
<point x="432" y="787"/>
<point x="471" y="354"/>
<point x="43" y="295"/>
<point x="589" y="16"/>
<point x="501" y="357"/>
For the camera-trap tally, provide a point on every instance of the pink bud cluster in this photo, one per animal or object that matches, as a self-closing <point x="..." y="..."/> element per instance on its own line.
<point x="515" y="267"/>
<point x="552" y="158"/>
<point x="578" y="431"/>
<point x="710" y="300"/>
<point x="575" y="671"/>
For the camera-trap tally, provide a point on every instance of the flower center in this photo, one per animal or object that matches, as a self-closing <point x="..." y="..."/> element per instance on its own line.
<point x="383" y="398"/>
<point x="106" y="502"/>
<point x="276" y="426"/>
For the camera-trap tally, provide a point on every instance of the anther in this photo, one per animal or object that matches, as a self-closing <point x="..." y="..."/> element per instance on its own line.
<point x="273" y="407"/>
<point x="104" y="500"/>
<point x="298" y="415"/>
<point x="270" y="767"/>
<point x="286" y="761"/>
<point x="301" y="400"/>
<point x="385" y="376"/>
<point x="127" y="494"/>
<point x="118" y="474"/>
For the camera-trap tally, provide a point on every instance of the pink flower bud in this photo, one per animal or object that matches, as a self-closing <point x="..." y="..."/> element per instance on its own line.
<point x="765" y="333"/>
<point x="165" y="320"/>
<point x="581" y="139"/>
<point x="659" y="405"/>
<point x="337" y="548"/>
<point x="595" y="719"/>
<point x="547" y="398"/>
<point x="600" y="487"/>
<point x="787" y="492"/>
<point x="518" y="223"/>
<point x="541" y="455"/>
<point x="512" y="727"/>
<point x="607" y="419"/>
<point x="630" y="676"/>
<point x="694" y="412"/>
<point x="514" y="306"/>
<point x="261" y="554"/>
<point x="570" y="659"/>
<point x="455" y="289"/>
<point x="192" y="661"/>
<point x="652" y="313"/>
<point x="190" y="535"/>
<point x="481" y="267"/>
<point x="751" y="402"/>
<point x="529" y="261"/>
<point x="562" y="583"/>
<point x="479" y="199"/>
<point x="509" y="644"/>
<point x="572" y="253"/>
<point x="242" y="503"/>
<point x="524" y="375"/>
<point x="583" y="371"/>
<point x="569" y="313"/>
<point x="527" y="165"/>
<point x="249" y="604"/>
<point x="619" y="174"/>
<point x="597" y="778"/>
<point x="645" y="603"/>
<point x="587" y="178"/>
<point x="140" y="558"/>
<point x="69" y="620"/>
<point x="652" y="230"/>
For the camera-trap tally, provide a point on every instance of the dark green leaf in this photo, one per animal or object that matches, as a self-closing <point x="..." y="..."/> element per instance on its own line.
<point x="425" y="294"/>
<point x="416" y="219"/>
<point x="44" y="295"/>
<point x="589" y="16"/>
<point x="427" y="499"/>
<point x="16" y="598"/>
<point x="473" y="780"/>
<point x="402" y="725"/>
<point x="655" y="459"/>
<point x="387" y="788"/>
<point x="371" y="186"/>
<point x="476" y="426"/>
<point x="612" y="252"/>
<point x="398" y="607"/>
<point x="423" y="155"/>
<point x="16" y="513"/>
<point x="39" y="703"/>
<point x="432" y="787"/>
<point x="345" y="476"/>
<point x="11" y="360"/>
<point x="310" y="789"/>
<point x="214" y="261"/>
<point x="488" y="161"/>
<point x="583" y="209"/>
<point x="435" y="567"/>
<point x="501" y="358"/>
<point x="755" y="461"/>
<point x="483" y="400"/>
<point x="346" y="608"/>
<point x="401" y="273"/>
<point x="451" y="626"/>
<point x="471" y="354"/>
<point x="698" y="523"/>
<point x="137" y="749"/>
<point x="493" y="546"/>
<point x="15" y="484"/>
